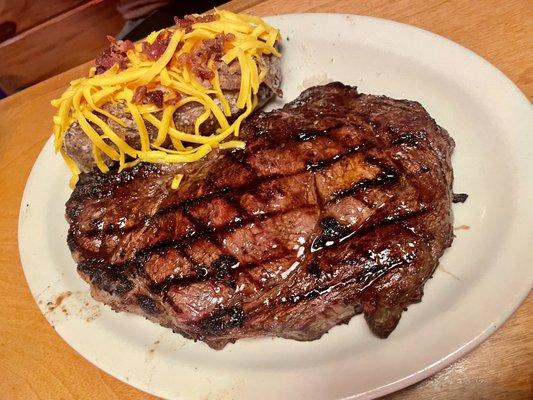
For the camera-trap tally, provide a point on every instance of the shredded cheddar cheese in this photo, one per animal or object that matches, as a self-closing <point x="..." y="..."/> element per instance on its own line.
<point x="85" y="99"/>
<point x="176" y="181"/>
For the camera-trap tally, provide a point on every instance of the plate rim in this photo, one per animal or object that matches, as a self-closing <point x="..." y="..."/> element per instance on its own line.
<point x="397" y="384"/>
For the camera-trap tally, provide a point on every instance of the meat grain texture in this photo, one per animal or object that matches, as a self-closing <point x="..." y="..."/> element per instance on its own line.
<point x="339" y="205"/>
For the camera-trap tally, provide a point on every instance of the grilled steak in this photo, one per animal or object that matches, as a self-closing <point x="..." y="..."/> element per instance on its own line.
<point x="340" y="204"/>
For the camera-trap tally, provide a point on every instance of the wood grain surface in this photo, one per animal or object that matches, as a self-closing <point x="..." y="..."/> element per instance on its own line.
<point x="28" y="13"/>
<point x="60" y="43"/>
<point x="36" y="364"/>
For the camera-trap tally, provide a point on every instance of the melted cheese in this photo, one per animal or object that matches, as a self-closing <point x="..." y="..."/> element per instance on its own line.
<point x="83" y="101"/>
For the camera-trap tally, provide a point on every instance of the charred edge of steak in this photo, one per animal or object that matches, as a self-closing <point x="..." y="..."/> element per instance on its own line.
<point x="223" y="320"/>
<point x="459" y="197"/>
<point x="147" y="304"/>
<point x="107" y="278"/>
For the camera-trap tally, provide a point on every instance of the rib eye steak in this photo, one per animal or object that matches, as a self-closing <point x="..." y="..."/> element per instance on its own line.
<point x="340" y="204"/>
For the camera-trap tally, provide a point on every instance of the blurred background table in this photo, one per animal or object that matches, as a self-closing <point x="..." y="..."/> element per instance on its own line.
<point x="35" y="363"/>
<point x="40" y="39"/>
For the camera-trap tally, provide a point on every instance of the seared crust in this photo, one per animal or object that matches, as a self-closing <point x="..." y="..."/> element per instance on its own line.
<point x="340" y="204"/>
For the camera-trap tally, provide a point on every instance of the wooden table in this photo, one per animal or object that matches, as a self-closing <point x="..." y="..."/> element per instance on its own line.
<point x="36" y="364"/>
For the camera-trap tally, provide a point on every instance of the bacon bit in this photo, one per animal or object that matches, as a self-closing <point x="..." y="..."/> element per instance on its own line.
<point x="206" y="50"/>
<point x="128" y="45"/>
<point x="138" y="95"/>
<point x="120" y="45"/>
<point x="143" y="96"/>
<point x="461" y="228"/>
<point x="154" y="50"/>
<point x="230" y="37"/>
<point x="202" y="72"/>
<point x="183" y="60"/>
<point x="155" y="97"/>
<point x="174" y="100"/>
<point x="189" y="20"/>
<point x="214" y="47"/>
<point x="196" y="65"/>
<point x="115" y="54"/>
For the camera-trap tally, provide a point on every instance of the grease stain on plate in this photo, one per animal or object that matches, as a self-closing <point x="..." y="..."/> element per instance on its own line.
<point x="166" y="341"/>
<point x="441" y="268"/>
<point x="230" y="392"/>
<point x="78" y="304"/>
<point x="153" y="347"/>
<point x="40" y="294"/>
<point x="314" y="80"/>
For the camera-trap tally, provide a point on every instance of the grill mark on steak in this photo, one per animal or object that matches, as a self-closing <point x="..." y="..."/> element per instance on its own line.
<point x="237" y="190"/>
<point x="107" y="279"/>
<point x="337" y="235"/>
<point x="332" y="231"/>
<point x="232" y="193"/>
<point x="179" y="244"/>
<point x="222" y="320"/>
<point x="399" y="223"/>
<point x="365" y="279"/>
<point x="388" y="175"/>
<point x="304" y="135"/>
<point x="320" y="165"/>
<point x="224" y="274"/>
<point x="148" y="305"/>
<point x="208" y="232"/>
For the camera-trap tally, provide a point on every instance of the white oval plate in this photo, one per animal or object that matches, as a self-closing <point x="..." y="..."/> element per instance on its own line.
<point x="482" y="279"/>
